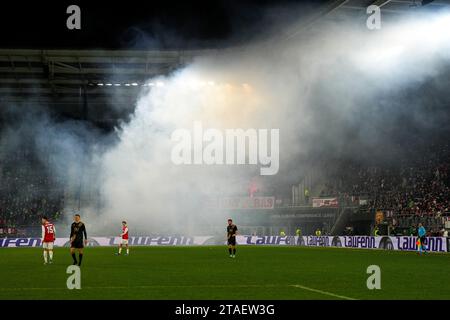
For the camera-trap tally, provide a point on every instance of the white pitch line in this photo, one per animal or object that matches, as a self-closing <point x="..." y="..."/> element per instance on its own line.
<point x="191" y="286"/>
<point x="322" y="292"/>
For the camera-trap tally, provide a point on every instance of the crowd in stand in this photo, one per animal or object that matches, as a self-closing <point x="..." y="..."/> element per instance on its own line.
<point x="27" y="192"/>
<point x="408" y="192"/>
<point x="411" y="191"/>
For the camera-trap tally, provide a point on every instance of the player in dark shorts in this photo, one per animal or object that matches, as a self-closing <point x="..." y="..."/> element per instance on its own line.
<point x="77" y="231"/>
<point x="231" y="235"/>
<point x="422" y="233"/>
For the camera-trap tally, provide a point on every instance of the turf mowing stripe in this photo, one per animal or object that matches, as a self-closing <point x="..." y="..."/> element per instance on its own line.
<point x="322" y="292"/>
<point x="155" y="286"/>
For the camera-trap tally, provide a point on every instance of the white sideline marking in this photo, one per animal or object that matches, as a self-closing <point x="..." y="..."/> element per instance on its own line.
<point x="322" y="292"/>
<point x="154" y="286"/>
<point x="194" y="286"/>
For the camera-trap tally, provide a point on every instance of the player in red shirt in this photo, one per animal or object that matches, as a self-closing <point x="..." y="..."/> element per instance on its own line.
<point x="124" y="236"/>
<point x="48" y="237"/>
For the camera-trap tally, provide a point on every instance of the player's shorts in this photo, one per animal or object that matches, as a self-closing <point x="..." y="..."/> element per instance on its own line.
<point x="77" y="244"/>
<point x="232" y="241"/>
<point x="124" y="241"/>
<point x="47" y="245"/>
<point x="422" y="240"/>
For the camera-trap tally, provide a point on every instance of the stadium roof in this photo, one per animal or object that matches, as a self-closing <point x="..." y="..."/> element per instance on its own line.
<point x="54" y="73"/>
<point x="63" y="78"/>
<point x="356" y="9"/>
<point x="66" y="77"/>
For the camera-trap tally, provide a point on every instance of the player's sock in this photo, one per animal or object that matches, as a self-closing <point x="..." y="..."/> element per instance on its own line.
<point x="229" y="250"/>
<point x="51" y="255"/>
<point x="128" y="251"/>
<point x="120" y="250"/>
<point x="45" y="256"/>
<point x="74" y="258"/>
<point x="80" y="257"/>
<point x="234" y="252"/>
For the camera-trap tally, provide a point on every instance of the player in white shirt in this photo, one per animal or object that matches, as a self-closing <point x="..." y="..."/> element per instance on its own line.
<point x="48" y="237"/>
<point x="124" y="236"/>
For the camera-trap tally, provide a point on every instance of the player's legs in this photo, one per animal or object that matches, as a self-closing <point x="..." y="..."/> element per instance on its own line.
<point x="419" y="245"/>
<point x="50" y="251"/>
<point x="80" y="256"/>
<point x="74" y="257"/>
<point x="45" y="256"/>
<point x="125" y="243"/>
<point x="232" y="247"/>
<point x="45" y="246"/>
<point x="422" y="242"/>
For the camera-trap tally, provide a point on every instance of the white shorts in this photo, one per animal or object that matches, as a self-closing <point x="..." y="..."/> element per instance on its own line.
<point x="124" y="241"/>
<point x="47" y="245"/>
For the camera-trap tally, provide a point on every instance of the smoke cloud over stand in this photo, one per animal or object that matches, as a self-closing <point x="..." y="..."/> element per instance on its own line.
<point x="332" y="87"/>
<point x="329" y="92"/>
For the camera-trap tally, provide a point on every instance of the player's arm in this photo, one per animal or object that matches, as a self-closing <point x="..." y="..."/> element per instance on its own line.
<point x="85" y="233"/>
<point x="43" y="233"/>
<point x="72" y="234"/>
<point x="54" y="233"/>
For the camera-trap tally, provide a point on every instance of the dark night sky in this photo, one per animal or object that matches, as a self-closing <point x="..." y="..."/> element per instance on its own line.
<point x="134" y="24"/>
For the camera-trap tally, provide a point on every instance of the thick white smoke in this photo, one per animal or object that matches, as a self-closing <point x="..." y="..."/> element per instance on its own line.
<point x="336" y="83"/>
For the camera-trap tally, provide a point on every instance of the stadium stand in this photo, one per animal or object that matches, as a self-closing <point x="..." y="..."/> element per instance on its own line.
<point x="26" y="193"/>
<point x="417" y="190"/>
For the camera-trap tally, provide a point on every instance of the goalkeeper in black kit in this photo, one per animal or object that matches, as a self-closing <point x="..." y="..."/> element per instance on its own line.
<point x="231" y="235"/>
<point x="77" y="231"/>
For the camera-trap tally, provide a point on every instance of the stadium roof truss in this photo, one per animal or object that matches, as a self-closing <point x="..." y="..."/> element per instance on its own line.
<point x="62" y="77"/>
<point x="102" y="83"/>
<point x="347" y="9"/>
<point x="54" y="73"/>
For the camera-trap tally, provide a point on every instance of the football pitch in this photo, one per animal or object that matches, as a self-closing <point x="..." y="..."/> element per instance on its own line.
<point x="207" y="272"/>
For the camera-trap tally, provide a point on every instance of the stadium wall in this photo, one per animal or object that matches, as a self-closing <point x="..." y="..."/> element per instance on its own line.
<point x="403" y="243"/>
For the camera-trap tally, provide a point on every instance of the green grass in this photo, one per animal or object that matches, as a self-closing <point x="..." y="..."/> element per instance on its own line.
<point x="206" y="272"/>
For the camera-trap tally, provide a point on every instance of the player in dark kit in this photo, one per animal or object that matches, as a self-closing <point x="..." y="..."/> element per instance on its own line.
<point x="77" y="231"/>
<point x="231" y="235"/>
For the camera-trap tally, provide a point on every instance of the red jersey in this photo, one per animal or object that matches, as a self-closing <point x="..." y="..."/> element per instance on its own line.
<point x="48" y="232"/>
<point x="125" y="232"/>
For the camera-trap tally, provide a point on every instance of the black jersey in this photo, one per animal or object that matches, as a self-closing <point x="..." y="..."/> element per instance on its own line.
<point x="231" y="230"/>
<point x="77" y="231"/>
